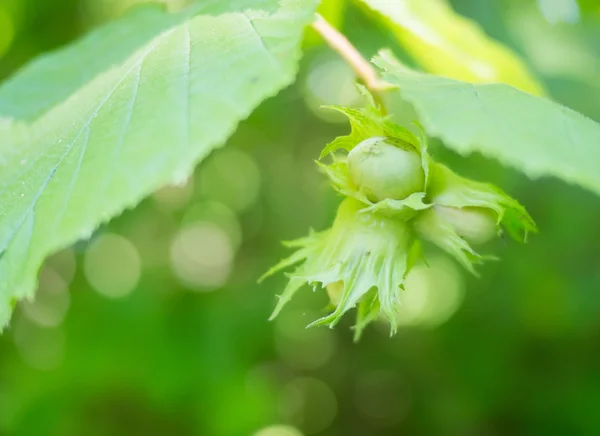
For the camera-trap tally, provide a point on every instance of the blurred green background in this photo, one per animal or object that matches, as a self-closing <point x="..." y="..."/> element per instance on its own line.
<point x="156" y="325"/>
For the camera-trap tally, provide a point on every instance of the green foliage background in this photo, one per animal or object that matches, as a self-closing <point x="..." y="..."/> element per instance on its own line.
<point x="519" y="356"/>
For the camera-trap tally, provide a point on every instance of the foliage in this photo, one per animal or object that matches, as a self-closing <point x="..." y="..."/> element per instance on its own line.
<point x="532" y="134"/>
<point x="185" y="348"/>
<point x="445" y="43"/>
<point x="397" y="195"/>
<point x="131" y="121"/>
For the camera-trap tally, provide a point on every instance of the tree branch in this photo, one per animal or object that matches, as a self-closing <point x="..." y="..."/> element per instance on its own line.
<point x="363" y="69"/>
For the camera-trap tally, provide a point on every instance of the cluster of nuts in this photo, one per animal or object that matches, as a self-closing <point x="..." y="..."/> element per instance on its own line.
<point x="396" y="196"/>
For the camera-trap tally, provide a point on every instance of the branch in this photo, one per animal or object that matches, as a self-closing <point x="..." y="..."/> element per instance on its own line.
<point x="363" y="69"/>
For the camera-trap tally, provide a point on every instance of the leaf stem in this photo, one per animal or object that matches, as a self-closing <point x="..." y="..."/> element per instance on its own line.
<point x="338" y="42"/>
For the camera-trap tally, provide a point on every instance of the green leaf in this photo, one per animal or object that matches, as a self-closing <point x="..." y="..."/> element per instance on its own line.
<point x="445" y="43"/>
<point x="531" y="134"/>
<point x="52" y="78"/>
<point x="133" y="106"/>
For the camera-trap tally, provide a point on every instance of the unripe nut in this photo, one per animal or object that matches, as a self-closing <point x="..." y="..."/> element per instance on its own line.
<point x="384" y="168"/>
<point x="476" y="225"/>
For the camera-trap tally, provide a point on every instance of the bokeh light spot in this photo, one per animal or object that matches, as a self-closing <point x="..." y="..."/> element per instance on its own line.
<point x="40" y="347"/>
<point x="330" y="81"/>
<point x="433" y="293"/>
<point x="278" y="430"/>
<point x="51" y="301"/>
<point x="217" y="213"/>
<point x="231" y="177"/>
<point x="64" y="264"/>
<point x="175" y="197"/>
<point x="299" y="347"/>
<point x="382" y="398"/>
<point x="112" y="265"/>
<point x="151" y="233"/>
<point x="559" y="11"/>
<point x="202" y="255"/>
<point x="310" y="404"/>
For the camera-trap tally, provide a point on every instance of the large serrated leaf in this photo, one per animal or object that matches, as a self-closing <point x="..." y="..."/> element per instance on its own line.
<point x="532" y="134"/>
<point x="135" y="105"/>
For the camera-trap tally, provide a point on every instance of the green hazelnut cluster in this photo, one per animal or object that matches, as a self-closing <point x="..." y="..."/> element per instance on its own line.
<point x="396" y="196"/>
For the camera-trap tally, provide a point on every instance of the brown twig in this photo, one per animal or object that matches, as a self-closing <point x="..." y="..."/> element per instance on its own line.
<point x="363" y="69"/>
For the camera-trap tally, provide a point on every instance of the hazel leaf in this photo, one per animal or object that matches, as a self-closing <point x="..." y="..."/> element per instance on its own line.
<point x="90" y="130"/>
<point x="529" y="133"/>
<point x="446" y="43"/>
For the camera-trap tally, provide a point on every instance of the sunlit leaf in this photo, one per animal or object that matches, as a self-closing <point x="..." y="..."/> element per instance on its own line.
<point x="89" y="131"/>
<point x="445" y="43"/>
<point x="529" y="133"/>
